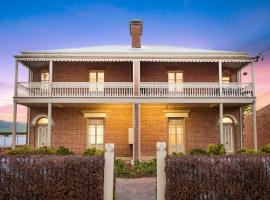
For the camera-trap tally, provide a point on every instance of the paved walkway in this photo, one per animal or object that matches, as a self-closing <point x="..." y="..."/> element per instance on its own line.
<point x="136" y="189"/>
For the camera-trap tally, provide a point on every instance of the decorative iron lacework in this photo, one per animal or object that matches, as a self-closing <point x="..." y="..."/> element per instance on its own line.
<point x="187" y="59"/>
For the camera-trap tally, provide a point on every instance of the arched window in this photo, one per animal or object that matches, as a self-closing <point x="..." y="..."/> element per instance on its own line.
<point x="227" y="120"/>
<point x="44" y="76"/>
<point x="42" y="121"/>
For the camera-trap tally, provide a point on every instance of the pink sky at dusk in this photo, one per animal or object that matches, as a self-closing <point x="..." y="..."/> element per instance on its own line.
<point x="242" y="25"/>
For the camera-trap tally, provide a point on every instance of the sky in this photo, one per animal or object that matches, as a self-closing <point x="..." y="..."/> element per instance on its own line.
<point x="236" y="25"/>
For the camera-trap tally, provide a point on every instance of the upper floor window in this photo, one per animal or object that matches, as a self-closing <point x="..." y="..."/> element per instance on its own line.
<point x="175" y="77"/>
<point x="226" y="79"/>
<point x="44" y="76"/>
<point x="96" y="77"/>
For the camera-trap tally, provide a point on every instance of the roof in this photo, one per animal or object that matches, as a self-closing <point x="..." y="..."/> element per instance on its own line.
<point x="6" y="127"/>
<point x="126" y="49"/>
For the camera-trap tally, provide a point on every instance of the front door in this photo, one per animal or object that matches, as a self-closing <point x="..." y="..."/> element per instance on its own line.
<point x="42" y="136"/>
<point x="95" y="136"/>
<point x="228" y="138"/>
<point x="176" y="135"/>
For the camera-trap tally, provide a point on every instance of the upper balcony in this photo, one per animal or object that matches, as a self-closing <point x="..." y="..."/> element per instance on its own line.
<point x="125" y="89"/>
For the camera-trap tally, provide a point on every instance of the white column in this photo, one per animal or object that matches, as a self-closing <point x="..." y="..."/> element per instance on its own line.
<point x="16" y="78"/>
<point x="220" y="77"/>
<point x="14" y="125"/>
<point x="253" y="79"/>
<point x="50" y="76"/>
<point x="254" y="118"/>
<point x="161" y="174"/>
<point x="241" y="127"/>
<point x="221" y="122"/>
<point x="49" y="123"/>
<point x="108" y="171"/>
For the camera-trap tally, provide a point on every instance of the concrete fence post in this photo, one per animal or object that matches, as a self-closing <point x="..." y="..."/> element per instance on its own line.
<point x="109" y="171"/>
<point x="161" y="175"/>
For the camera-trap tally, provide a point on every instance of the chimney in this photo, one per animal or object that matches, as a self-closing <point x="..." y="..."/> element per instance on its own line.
<point x="136" y="26"/>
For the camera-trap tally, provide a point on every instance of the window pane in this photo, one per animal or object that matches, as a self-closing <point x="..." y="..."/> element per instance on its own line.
<point x="179" y="77"/>
<point x="2" y="140"/>
<point x="93" y="77"/>
<point x="20" y="139"/>
<point x="44" y="76"/>
<point x="8" y="140"/>
<point x="42" y="121"/>
<point x="226" y="79"/>
<point x="99" y="139"/>
<point x="100" y="77"/>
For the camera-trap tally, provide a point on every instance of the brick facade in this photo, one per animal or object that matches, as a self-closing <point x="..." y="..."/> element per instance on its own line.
<point x="263" y="127"/>
<point x="70" y="127"/>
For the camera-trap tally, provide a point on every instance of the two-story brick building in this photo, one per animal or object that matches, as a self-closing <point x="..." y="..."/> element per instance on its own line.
<point x="134" y="96"/>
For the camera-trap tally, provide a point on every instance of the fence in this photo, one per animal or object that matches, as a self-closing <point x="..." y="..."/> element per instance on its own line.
<point x="212" y="177"/>
<point x="57" y="177"/>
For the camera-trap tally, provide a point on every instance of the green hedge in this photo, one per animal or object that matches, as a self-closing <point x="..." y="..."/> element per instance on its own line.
<point x="51" y="177"/>
<point x="239" y="176"/>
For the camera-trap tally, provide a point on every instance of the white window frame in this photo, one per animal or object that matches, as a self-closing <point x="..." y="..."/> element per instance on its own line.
<point x="88" y="138"/>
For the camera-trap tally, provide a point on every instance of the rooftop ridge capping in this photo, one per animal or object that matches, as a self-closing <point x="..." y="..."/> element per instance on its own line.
<point x="125" y="49"/>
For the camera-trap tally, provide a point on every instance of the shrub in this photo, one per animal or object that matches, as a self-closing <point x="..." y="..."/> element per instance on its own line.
<point x="93" y="152"/>
<point x="198" y="152"/>
<point x="61" y="151"/>
<point x="218" y="177"/>
<point x="44" y="150"/>
<point x="266" y="149"/>
<point x="121" y="169"/>
<point x="216" y="149"/>
<point x="248" y="151"/>
<point x="51" y="177"/>
<point x="145" y="168"/>
<point x="21" y="151"/>
<point x="177" y="153"/>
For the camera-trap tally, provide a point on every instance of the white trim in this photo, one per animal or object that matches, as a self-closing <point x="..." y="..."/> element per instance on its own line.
<point x="131" y="58"/>
<point x="36" y="118"/>
<point x="232" y="117"/>
<point x="221" y="122"/>
<point x="94" y="115"/>
<point x="27" y="100"/>
<point x="254" y="119"/>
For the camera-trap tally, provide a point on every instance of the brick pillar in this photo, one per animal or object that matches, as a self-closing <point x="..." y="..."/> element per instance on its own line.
<point x="136" y="129"/>
<point x="136" y="110"/>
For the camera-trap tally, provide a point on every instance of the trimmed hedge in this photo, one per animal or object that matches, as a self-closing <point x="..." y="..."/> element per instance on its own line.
<point x="218" y="177"/>
<point x="51" y="177"/>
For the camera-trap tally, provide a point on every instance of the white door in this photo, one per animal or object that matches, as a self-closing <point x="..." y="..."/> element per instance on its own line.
<point x="176" y="135"/>
<point x="228" y="138"/>
<point x="42" y="136"/>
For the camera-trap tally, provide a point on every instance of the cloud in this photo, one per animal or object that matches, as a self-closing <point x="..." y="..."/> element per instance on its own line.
<point x="6" y="113"/>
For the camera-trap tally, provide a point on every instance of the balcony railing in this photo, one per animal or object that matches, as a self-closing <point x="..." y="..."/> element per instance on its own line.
<point x="196" y="89"/>
<point x="125" y="89"/>
<point x="75" y="89"/>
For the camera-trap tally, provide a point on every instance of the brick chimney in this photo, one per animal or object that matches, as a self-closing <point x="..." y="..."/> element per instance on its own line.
<point x="136" y="26"/>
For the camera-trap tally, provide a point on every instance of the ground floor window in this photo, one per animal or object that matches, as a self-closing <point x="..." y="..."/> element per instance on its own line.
<point x="6" y="140"/>
<point x="176" y="135"/>
<point x="95" y="134"/>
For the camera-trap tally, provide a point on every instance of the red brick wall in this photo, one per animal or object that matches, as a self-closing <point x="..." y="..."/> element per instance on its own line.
<point x="193" y="72"/>
<point x="122" y="72"/>
<point x="70" y="127"/>
<point x="263" y="128"/>
<point x="201" y="127"/>
<point x="79" y="72"/>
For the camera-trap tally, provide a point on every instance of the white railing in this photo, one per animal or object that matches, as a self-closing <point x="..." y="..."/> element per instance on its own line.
<point x="75" y="89"/>
<point x="196" y="89"/>
<point x="125" y="89"/>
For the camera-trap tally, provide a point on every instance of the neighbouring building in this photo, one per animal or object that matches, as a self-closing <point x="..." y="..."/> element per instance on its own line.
<point x="6" y="134"/>
<point x="263" y="127"/>
<point x="134" y="96"/>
